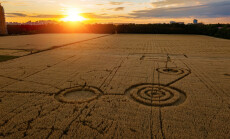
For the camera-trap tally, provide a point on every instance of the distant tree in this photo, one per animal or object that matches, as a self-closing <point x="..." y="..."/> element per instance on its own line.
<point x="217" y="30"/>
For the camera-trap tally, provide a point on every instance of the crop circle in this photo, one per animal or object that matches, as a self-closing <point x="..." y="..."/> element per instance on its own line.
<point x="171" y="71"/>
<point x="157" y="95"/>
<point x="78" y="94"/>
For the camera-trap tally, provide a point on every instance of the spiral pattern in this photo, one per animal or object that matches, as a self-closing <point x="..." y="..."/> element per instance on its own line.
<point x="157" y="95"/>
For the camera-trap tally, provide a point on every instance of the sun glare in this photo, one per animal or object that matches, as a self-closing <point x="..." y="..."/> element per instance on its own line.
<point x="73" y="15"/>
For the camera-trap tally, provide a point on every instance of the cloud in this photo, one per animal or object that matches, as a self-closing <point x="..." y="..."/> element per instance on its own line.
<point x="18" y="3"/>
<point x="34" y="16"/>
<point x="102" y="16"/>
<point x="47" y="16"/>
<point x="176" y="3"/>
<point x="92" y="15"/>
<point x="163" y="3"/>
<point x="219" y="9"/>
<point x="119" y="9"/>
<point x="116" y="3"/>
<point x="100" y="4"/>
<point x="16" y="15"/>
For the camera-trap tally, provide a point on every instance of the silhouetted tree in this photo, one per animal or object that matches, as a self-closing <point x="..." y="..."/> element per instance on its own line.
<point x="217" y="30"/>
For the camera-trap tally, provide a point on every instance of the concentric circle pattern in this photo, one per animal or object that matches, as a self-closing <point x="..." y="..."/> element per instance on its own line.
<point x="157" y="95"/>
<point x="78" y="94"/>
<point x="172" y="71"/>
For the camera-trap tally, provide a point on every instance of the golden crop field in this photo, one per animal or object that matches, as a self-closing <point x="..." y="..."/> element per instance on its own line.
<point x="115" y="86"/>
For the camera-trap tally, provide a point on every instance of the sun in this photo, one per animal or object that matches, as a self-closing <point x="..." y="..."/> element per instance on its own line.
<point x="73" y="15"/>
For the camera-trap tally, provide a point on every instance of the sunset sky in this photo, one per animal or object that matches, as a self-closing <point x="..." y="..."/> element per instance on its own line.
<point x="120" y="11"/>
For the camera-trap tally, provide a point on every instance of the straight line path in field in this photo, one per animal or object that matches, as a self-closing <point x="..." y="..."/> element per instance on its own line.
<point x="63" y="45"/>
<point x="21" y="47"/>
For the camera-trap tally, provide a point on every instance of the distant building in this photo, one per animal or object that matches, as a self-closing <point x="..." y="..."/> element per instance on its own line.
<point x="173" y="22"/>
<point x="3" y="29"/>
<point x="180" y="22"/>
<point x="195" y="21"/>
<point x="124" y="23"/>
<point x="13" y="23"/>
<point x="40" y="22"/>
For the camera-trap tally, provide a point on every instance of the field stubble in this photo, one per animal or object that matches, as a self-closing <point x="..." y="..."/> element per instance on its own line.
<point x="118" y="86"/>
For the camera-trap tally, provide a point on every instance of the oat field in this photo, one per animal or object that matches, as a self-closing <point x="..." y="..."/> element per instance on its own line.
<point x="115" y="86"/>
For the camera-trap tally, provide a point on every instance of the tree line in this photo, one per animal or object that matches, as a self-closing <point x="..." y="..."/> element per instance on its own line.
<point x="216" y="30"/>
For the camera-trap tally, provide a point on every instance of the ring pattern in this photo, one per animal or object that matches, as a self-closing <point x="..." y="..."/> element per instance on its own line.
<point x="95" y="93"/>
<point x="157" y="95"/>
<point x="172" y="71"/>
